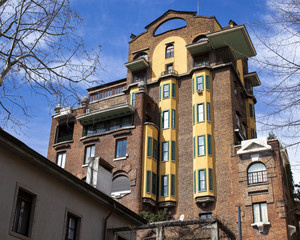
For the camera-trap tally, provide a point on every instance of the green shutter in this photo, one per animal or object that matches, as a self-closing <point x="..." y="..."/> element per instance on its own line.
<point x="195" y="187"/>
<point x="162" y="185"/>
<point x="173" y="151"/>
<point x="173" y="118"/>
<point x="155" y="149"/>
<point x="194" y="145"/>
<point x="148" y="181"/>
<point x="149" y="149"/>
<point x="207" y="82"/>
<point x="173" y="90"/>
<point x="210" y="178"/>
<point x="173" y="185"/>
<point x="129" y="98"/>
<point x="209" y="149"/>
<point x="154" y="183"/>
<point x="162" y="120"/>
<point x="193" y="114"/>
<point x="193" y="85"/>
<point x="208" y="114"/>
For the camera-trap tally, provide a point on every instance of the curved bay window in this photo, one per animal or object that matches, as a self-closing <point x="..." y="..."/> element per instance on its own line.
<point x="170" y="51"/>
<point x="257" y="173"/>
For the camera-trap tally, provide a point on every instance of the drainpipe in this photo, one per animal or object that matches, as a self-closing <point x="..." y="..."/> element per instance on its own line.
<point x="105" y="222"/>
<point x="239" y="223"/>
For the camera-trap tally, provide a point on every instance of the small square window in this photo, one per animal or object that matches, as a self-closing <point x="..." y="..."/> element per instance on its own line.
<point x="166" y="90"/>
<point x="121" y="148"/>
<point x="169" y="67"/>
<point x="72" y="227"/>
<point x="61" y="159"/>
<point x="23" y="213"/>
<point x="199" y="83"/>
<point x="89" y="152"/>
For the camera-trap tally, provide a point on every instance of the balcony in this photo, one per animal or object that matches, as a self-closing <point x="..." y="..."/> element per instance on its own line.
<point x="137" y="65"/>
<point x="198" y="48"/>
<point x="169" y="72"/>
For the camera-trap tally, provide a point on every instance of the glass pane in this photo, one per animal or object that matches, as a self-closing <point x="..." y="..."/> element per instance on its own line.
<point x="264" y="212"/>
<point x="256" y="214"/>
<point x="124" y="146"/>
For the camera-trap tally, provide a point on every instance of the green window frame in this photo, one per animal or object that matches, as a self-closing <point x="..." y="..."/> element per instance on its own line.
<point x="207" y="82"/>
<point x="201" y="145"/>
<point x="173" y="146"/>
<point x="173" y="118"/>
<point x="166" y="90"/>
<point x="251" y="109"/>
<point x="165" y="119"/>
<point x="165" y="151"/>
<point x="200" y="112"/>
<point x="159" y="93"/>
<point x="195" y="180"/>
<point x="208" y="112"/>
<point x="149" y="147"/>
<point x="209" y="146"/>
<point x="173" y="90"/>
<point x="172" y="184"/>
<point x="210" y="179"/>
<point x="199" y="83"/>
<point x="193" y="114"/>
<point x="148" y="180"/>
<point x="154" y="184"/>
<point x="164" y="186"/>
<point x="202" y="180"/>
<point x="155" y="149"/>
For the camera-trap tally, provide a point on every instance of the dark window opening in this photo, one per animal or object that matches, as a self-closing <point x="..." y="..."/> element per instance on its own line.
<point x="72" y="227"/>
<point x="202" y="60"/>
<point x="139" y="76"/>
<point x="23" y="213"/>
<point x="65" y="132"/>
<point x="170" y="51"/>
<point x="205" y="216"/>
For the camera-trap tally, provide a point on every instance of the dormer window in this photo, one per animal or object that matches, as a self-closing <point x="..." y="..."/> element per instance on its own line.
<point x="170" y="51"/>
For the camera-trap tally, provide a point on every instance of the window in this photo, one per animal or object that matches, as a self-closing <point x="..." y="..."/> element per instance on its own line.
<point x="139" y="76"/>
<point x="166" y="90"/>
<point x="251" y="110"/>
<point x="165" y="151"/>
<point x="172" y="185"/>
<point x="202" y="180"/>
<point x="23" y="214"/>
<point x="173" y="90"/>
<point x="257" y="173"/>
<point x="201" y="61"/>
<point x="201" y="145"/>
<point x="207" y="82"/>
<point x="165" y="119"/>
<point x="199" y="83"/>
<point x="195" y="180"/>
<point x="89" y="152"/>
<point x="120" y="186"/>
<point x="173" y="145"/>
<point x="155" y="149"/>
<point x="193" y="114"/>
<point x="205" y="216"/>
<point x="260" y="213"/>
<point x="72" y="227"/>
<point x="164" y="185"/>
<point x="61" y="159"/>
<point x="194" y="147"/>
<point x="154" y="183"/>
<point x="64" y="132"/>
<point x="200" y="112"/>
<point x="173" y="118"/>
<point x="121" y="146"/>
<point x="169" y="67"/>
<point x="252" y="133"/>
<point x="133" y="99"/>
<point x="149" y="147"/>
<point x="170" y="51"/>
<point x="148" y="181"/>
<point x="208" y="114"/>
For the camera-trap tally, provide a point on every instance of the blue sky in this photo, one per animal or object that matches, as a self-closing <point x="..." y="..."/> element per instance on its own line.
<point x="109" y="23"/>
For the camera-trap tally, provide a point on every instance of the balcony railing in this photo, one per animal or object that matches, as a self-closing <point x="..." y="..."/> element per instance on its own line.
<point x="173" y="72"/>
<point x="257" y="177"/>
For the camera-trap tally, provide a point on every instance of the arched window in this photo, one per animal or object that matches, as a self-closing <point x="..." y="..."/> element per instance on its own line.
<point x="257" y="173"/>
<point x="120" y="186"/>
<point x="200" y="38"/>
<point x="141" y="55"/>
<point x="170" y="51"/>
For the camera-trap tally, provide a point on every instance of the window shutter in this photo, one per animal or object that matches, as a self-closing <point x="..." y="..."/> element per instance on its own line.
<point x="193" y="114"/>
<point x="148" y="181"/>
<point x="195" y="187"/>
<point x="173" y="90"/>
<point x="149" y="149"/>
<point x="193" y="85"/>
<point x="207" y="82"/>
<point x="173" y="185"/>
<point x="154" y="183"/>
<point x="208" y="111"/>
<point x="210" y="177"/>
<point x="209" y="148"/>
<point x="159" y="93"/>
<point x="173" y="151"/>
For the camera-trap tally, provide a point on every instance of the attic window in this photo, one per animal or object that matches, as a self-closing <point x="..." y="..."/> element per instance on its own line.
<point x="169" y="25"/>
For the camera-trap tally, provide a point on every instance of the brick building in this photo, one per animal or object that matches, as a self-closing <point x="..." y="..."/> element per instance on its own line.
<point x="169" y="128"/>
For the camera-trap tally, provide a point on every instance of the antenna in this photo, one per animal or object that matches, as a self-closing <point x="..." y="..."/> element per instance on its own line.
<point x="198" y="7"/>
